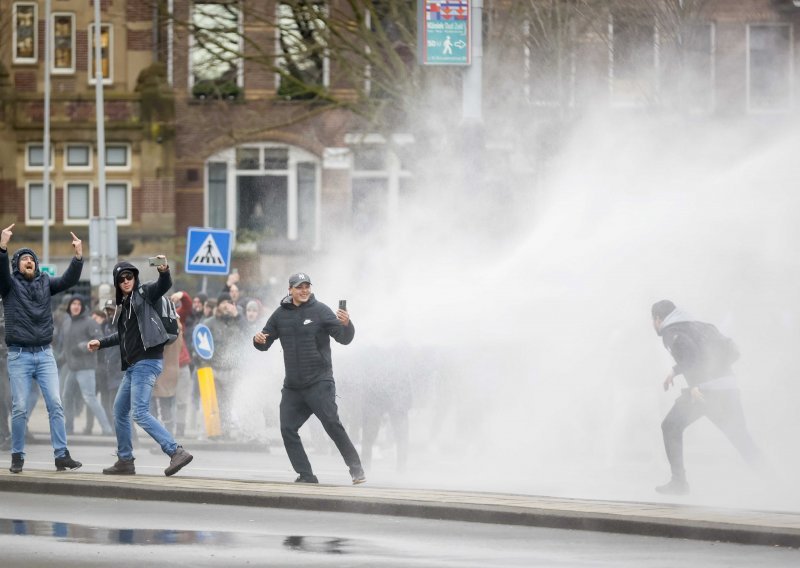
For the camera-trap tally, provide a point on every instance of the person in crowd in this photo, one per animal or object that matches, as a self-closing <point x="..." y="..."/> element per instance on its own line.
<point x="109" y="363"/>
<point x="81" y="365"/>
<point x="304" y="327"/>
<point x="209" y="309"/>
<point x="26" y="293"/>
<point x="705" y="358"/>
<point x="183" y="387"/>
<point x="141" y="338"/>
<point x="229" y="332"/>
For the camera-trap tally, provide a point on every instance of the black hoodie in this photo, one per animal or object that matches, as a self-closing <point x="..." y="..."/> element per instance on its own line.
<point x="29" y="319"/>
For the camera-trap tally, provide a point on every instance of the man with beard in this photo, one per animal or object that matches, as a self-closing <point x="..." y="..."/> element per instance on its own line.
<point x="26" y="293"/>
<point x="304" y="327"/>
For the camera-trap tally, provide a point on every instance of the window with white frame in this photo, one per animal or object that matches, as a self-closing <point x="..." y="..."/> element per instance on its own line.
<point x="63" y="43"/>
<point x="34" y="157"/>
<point x="268" y="193"/>
<point x="548" y="61"/>
<point x="699" y="67"/>
<point x="77" y="157"/>
<point x="302" y="48"/>
<point x="118" y="201"/>
<point x="35" y="204"/>
<point x="216" y="48"/>
<point x="106" y="54"/>
<point x="25" y="32"/>
<point x="769" y="67"/>
<point x="633" y="62"/>
<point x="77" y="202"/>
<point x="381" y="184"/>
<point x="118" y="157"/>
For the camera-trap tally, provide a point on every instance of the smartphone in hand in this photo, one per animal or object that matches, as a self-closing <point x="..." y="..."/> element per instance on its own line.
<point x="156" y="261"/>
<point x="343" y="305"/>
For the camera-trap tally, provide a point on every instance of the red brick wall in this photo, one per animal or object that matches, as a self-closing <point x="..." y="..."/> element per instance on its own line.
<point x="25" y="81"/>
<point x="81" y="50"/>
<point x="189" y="206"/>
<point x="140" y="40"/>
<point x="138" y="11"/>
<point x="11" y="198"/>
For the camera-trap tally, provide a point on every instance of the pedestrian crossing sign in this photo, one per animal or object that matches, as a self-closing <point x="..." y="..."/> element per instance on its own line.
<point x="208" y="251"/>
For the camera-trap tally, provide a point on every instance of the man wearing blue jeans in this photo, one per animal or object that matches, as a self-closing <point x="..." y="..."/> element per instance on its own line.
<point x="26" y="293"/>
<point x="141" y="338"/>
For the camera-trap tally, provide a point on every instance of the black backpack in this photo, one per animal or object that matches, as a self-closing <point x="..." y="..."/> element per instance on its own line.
<point x="717" y="348"/>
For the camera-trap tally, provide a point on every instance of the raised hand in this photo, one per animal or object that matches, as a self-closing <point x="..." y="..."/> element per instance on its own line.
<point x="5" y="237"/>
<point x="77" y="245"/>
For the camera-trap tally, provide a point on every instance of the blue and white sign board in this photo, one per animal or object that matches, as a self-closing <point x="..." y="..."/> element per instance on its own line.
<point x="443" y="31"/>
<point x="203" y="341"/>
<point x="208" y="251"/>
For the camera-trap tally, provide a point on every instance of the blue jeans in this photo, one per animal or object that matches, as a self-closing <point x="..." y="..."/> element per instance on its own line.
<point x="133" y="401"/>
<point x="24" y="367"/>
<point x="86" y="383"/>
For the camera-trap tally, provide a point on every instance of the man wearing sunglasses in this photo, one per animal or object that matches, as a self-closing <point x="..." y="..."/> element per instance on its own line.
<point x="26" y="295"/>
<point x="141" y="338"/>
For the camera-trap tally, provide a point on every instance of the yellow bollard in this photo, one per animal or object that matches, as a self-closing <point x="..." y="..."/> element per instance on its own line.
<point x="208" y="396"/>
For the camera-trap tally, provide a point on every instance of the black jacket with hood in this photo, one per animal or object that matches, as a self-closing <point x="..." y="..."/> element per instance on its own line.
<point x="305" y="332"/>
<point x="700" y="351"/>
<point x="29" y="319"/>
<point x="140" y="333"/>
<point x="78" y="330"/>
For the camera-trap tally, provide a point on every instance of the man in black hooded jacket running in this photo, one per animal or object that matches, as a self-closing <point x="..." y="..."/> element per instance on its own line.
<point x="304" y="327"/>
<point x="704" y="357"/>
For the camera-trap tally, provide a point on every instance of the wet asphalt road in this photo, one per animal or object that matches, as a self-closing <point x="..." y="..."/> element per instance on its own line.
<point x="43" y="531"/>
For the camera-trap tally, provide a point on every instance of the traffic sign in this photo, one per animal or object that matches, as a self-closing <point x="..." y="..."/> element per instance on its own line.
<point x="203" y="341"/>
<point x="208" y="251"/>
<point x="47" y="269"/>
<point x="444" y="32"/>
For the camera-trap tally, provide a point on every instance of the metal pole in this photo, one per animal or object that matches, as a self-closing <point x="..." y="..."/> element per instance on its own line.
<point x="98" y="95"/>
<point x="472" y="81"/>
<point x="48" y="41"/>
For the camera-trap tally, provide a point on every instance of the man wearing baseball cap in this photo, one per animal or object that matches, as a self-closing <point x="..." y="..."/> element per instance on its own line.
<point x="304" y="327"/>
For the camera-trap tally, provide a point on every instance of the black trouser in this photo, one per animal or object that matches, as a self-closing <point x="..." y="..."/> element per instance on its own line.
<point x="297" y="405"/>
<point x="724" y="409"/>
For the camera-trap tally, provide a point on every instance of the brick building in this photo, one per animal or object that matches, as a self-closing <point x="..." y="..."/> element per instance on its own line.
<point x="207" y="133"/>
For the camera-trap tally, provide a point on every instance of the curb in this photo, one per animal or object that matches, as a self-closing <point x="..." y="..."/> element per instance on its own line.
<point x="775" y="529"/>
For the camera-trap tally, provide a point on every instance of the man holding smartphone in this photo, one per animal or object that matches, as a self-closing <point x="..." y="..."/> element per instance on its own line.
<point x="304" y="327"/>
<point x="140" y="337"/>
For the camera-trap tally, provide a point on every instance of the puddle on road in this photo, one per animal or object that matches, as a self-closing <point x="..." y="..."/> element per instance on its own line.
<point x="70" y="532"/>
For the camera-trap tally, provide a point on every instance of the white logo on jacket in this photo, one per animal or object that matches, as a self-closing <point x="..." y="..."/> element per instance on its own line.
<point x="306" y="322"/>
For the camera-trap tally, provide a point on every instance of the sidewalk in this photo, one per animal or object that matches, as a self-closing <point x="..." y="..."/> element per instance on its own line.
<point x="661" y="520"/>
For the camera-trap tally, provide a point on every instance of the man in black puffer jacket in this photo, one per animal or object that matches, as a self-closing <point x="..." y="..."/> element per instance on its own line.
<point x="704" y="357"/>
<point x="304" y="327"/>
<point x="26" y="295"/>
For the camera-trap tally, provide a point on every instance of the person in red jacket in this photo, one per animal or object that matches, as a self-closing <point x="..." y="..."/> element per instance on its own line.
<point x="183" y="390"/>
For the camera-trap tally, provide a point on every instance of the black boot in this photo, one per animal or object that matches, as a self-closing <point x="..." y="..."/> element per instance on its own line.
<point x="122" y="467"/>
<point x="16" y="463"/>
<point x="67" y="462"/>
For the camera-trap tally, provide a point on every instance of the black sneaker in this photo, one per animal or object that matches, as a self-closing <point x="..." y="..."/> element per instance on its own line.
<point x="176" y="462"/>
<point x="306" y="478"/>
<point x="16" y="463"/>
<point x="122" y="467"/>
<point x="67" y="462"/>
<point x="358" y="476"/>
<point x="674" y="487"/>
